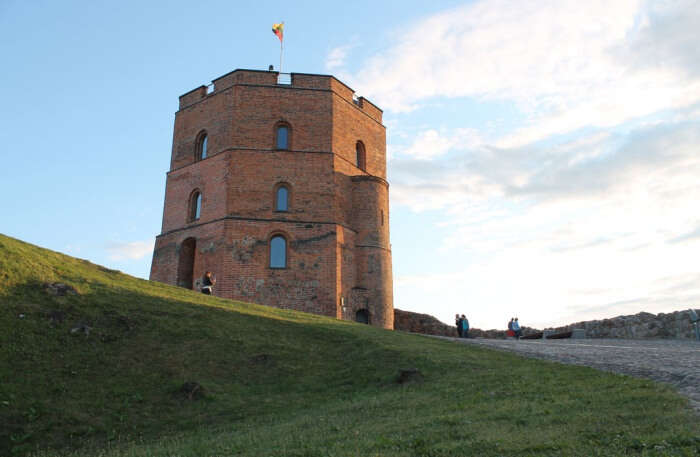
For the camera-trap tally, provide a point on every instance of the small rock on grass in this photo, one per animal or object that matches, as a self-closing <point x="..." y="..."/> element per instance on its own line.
<point x="192" y="390"/>
<point x="409" y="375"/>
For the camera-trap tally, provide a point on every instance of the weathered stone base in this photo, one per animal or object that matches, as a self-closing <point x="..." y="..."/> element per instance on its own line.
<point x="641" y="325"/>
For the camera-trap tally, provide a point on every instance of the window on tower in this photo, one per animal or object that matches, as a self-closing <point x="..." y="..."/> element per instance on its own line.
<point x="195" y="205"/>
<point x="278" y="252"/>
<point x="282" y="198"/>
<point x="360" y="156"/>
<point x="201" y="146"/>
<point x="282" y="140"/>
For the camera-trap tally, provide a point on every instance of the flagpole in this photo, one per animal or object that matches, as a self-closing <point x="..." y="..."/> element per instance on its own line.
<point x="281" y="44"/>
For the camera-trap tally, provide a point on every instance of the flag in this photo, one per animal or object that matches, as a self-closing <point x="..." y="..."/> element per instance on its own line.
<point x="278" y="29"/>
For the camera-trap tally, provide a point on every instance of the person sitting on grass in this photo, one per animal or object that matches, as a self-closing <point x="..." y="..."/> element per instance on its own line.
<point x="516" y="329"/>
<point x="208" y="283"/>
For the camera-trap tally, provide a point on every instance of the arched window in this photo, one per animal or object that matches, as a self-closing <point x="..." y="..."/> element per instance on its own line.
<point x="195" y="205"/>
<point x="360" y="156"/>
<point x="201" y="146"/>
<point x="282" y="136"/>
<point x="282" y="198"/>
<point x="278" y="252"/>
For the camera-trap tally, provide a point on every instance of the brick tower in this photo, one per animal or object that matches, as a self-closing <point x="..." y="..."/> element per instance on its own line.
<point x="280" y="190"/>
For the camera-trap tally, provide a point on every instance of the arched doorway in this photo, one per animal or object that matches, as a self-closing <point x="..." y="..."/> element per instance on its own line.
<point x="185" y="264"/>
<point x="362" y="316"/>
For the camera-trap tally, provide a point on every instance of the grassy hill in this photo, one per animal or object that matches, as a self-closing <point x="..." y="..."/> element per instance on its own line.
<point x="107" y="367"/>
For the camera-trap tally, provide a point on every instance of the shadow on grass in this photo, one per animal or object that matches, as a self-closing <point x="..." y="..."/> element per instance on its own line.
<point x="111" y="362"/>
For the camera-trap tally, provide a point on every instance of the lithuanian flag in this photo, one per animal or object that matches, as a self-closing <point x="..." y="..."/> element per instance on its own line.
<point x="278" y="29"/>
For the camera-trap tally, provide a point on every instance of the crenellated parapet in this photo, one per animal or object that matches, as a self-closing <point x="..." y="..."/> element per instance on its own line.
<point x="281" y="81"/>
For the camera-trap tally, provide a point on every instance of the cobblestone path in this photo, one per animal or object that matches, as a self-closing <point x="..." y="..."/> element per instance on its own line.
<point x="674" y="362"/>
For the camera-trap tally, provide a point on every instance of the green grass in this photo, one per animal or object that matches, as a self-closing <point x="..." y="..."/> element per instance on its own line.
<point x="283" y="383"/>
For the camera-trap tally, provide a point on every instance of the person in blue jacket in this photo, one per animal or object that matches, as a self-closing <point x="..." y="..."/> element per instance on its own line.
<point x="516" y="329"/>
<point x="465" y="326"/>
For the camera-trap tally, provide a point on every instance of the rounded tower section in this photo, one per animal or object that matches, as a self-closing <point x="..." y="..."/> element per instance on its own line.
<point x="373" y="294"/>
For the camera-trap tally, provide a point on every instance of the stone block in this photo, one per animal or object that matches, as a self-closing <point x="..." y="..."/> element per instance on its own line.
<point x="578" y="333"/>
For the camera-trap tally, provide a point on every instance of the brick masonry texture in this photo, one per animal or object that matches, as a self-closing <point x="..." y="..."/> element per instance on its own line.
<point x="337" y="223"/>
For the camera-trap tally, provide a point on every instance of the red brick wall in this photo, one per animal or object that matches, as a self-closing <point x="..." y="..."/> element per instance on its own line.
<point x="193" y="96"/>
<point x="254" y="174"/>
<point x="258" y="108"/>
<point x="214" y="114"/>
<point x="350" y="124"/>
<point x="245" y="77"/>
<point x="372" y="248"/>
<point x="311" y="81"/>
<point x="307" y="283"/>
<point x="207" y="252"/>
<point x="337" y="247"/>
<point x="210" y="176"/>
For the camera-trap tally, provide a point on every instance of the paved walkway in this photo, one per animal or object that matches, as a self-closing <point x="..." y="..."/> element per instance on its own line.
<point x="674" y="362"/>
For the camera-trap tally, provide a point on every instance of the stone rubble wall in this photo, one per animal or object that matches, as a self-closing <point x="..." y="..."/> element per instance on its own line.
<point x="408" y="321"/>
<point x="675" y="325"/>
<point x="498" y="333"/>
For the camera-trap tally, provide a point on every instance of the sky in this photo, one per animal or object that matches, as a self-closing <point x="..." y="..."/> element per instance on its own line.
<point x="543" y="157"/>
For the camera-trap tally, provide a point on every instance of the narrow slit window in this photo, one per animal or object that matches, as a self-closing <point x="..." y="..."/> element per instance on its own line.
<point x="282" y="137"/>
<point x="278" y="252"/>
<point x="201" y="147"/>
<point x="282" y="199"/>
<point x="360" y="156"/>
<point x="195" y="206"/>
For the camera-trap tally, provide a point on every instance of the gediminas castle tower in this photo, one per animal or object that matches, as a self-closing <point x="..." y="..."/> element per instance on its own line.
<point x="280" y="190"/>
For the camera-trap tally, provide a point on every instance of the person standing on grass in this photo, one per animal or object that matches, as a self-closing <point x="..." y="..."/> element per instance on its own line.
<point x="516" y="329"/>
<point x="465" y="327"/>
<point x="458" y="324"/>
<point x="208" y="282"/>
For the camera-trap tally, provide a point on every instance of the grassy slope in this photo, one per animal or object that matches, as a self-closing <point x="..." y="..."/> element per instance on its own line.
<point x="284" y="383"/>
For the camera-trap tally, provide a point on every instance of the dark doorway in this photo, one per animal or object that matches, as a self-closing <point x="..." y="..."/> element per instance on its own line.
<point x="362" y="316"/>
<point x="185" y="265"/>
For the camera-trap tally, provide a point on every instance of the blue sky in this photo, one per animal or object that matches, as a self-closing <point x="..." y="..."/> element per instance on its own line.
<point x="544" y="161"/>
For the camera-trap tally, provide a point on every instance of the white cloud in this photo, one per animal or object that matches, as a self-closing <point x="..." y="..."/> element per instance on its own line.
<point x="336" y="57"/>
<point x="565" y="64"/>
<point x="430" y="143"/>
<point x="133" y="250"/>
<point x="657" y="160"/>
